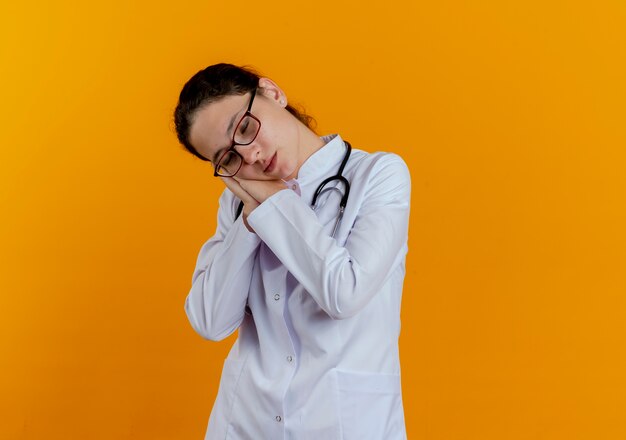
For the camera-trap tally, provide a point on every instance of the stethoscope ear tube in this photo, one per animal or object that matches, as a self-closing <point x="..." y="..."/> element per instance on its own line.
<point x="339" y="217"/>
<point x="346" y="193"/>
<point x="322" y="188"/>
<point x="338" y="176"/>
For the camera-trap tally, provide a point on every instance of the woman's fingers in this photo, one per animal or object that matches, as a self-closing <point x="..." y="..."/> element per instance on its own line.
<point x="252" y="192"/>
<point x="237" y="189"/>
<point x="260" y="190"/>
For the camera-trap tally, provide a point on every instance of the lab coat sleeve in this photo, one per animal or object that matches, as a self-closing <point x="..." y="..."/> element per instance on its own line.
<point x="342" y="279"/>
<point x="215" y="305"/>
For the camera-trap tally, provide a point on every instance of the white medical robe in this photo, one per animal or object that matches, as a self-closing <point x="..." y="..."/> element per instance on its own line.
<point x="318" y="317"/>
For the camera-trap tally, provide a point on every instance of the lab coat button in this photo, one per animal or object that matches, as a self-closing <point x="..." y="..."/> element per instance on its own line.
<point x="293" y="187"/>
<point x="277" y="297"/>
<point x="289" y="358"/>
<point x="278" y="418"/>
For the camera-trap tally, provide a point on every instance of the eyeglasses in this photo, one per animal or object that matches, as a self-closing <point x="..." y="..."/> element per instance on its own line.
<point x="245" y="133"/>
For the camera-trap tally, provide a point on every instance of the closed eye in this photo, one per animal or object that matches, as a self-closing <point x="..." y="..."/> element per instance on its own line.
<point x="244" y="126"/>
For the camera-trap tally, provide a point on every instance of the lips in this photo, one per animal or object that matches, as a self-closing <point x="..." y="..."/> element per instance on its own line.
<point x="270" y="166"/>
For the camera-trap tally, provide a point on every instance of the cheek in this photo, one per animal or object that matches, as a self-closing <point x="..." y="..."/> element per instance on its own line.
<point x="267" y="138"/>
<point x="278" y="129"/>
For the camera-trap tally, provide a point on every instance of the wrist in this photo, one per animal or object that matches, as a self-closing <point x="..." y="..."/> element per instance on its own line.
<point x="245" y="222"/>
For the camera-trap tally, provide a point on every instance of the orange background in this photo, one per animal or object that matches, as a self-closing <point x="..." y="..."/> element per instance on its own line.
<point x="509" y="114"/>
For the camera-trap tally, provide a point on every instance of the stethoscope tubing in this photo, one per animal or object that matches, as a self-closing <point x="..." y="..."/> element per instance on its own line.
<point x="339" y="177"/>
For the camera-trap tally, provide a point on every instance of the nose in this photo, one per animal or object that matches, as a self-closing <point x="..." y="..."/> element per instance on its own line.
<point x="250" y="153"/>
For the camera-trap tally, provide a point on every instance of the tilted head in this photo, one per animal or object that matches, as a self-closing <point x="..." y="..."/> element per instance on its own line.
<point x="216" y="99"/>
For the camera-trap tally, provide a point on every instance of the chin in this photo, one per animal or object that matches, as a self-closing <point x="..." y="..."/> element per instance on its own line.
<point x="288" y="173"/>
<point x="288" y="176"/>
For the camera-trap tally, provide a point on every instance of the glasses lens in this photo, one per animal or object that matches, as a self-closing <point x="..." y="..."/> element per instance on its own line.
<point x="247" y="130"/>
<point x="229" y="164"/>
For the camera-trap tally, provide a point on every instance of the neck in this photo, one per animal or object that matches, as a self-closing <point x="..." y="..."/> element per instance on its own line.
<point x="308" y="143"/>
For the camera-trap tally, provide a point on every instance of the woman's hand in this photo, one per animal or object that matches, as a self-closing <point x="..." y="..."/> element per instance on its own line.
<point x="252" y="192"/>
<point x="261" y="190"/>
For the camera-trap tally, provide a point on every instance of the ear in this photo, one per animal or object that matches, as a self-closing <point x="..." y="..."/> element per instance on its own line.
<point x="270" y="90"/>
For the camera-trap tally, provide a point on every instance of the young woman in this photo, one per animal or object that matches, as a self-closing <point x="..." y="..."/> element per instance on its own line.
<point x="307" y="262"/>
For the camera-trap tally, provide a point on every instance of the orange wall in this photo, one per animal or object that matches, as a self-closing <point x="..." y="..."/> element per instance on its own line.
<point x="509" y="114"/>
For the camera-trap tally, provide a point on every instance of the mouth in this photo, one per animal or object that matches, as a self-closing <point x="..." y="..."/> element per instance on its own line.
<point x="271" y="165"/>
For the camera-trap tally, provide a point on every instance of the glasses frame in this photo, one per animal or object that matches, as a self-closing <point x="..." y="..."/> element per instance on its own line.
<point x="234" y="143"/>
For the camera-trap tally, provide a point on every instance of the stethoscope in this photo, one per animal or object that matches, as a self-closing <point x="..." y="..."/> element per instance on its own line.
<point x="339" y="177"/>
<point x="322" y="189"/>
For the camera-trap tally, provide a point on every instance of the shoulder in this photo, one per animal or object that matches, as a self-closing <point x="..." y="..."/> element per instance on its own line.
<point x="381" y="176"/>
<point x="380" y="164"/>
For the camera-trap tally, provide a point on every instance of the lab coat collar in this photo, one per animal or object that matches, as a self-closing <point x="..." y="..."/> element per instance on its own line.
<point x="324" y="161"/>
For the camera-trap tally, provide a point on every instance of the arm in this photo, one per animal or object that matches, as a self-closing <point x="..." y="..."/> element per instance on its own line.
<point x="342" y="279"/>
<point x="216" y="302"/>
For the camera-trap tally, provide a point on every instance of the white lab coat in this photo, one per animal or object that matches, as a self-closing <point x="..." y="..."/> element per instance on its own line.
<point x="318" y="317"/>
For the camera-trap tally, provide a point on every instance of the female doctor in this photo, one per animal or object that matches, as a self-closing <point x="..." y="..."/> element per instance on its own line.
<point x="310" y="271"/>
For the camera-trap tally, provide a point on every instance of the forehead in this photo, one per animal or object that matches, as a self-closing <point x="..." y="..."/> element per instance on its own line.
<point x="209" y="129"/>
